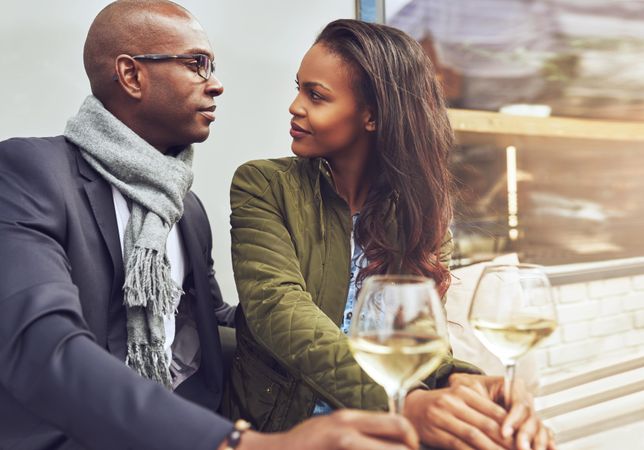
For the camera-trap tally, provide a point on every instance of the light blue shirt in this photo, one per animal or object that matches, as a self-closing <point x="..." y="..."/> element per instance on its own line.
<point x="358" y="261"/>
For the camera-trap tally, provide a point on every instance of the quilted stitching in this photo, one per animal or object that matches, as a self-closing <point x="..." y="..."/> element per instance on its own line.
<point x="282" y="252"/>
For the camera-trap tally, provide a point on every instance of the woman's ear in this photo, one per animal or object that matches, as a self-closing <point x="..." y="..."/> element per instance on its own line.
<point x="370" y="121"/>
<point x="128" y="75"/>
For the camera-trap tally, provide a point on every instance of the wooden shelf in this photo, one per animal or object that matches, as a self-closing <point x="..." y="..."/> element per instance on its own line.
<point x="544" y="133"/>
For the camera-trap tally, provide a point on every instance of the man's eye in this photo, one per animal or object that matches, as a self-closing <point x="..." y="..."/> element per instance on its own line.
<point x="194" y="65"/>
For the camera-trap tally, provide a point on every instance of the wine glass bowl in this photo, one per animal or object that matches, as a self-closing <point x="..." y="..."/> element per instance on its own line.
<point x="511" y="312"/>
<point x="398" y="334"/>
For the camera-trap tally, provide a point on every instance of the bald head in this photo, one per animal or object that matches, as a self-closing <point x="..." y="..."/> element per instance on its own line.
<point x="126" y="27"/>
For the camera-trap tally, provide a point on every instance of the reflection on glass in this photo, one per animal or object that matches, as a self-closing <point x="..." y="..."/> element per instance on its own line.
<point x="576" y="58"/>
<point x="573" y="206"/>
<point x="398" y="333"/>
<point x="583" y="58"/>
<point x="511" y="312"/>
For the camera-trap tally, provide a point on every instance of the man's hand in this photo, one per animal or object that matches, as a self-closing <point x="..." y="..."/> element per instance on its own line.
<point x="467" y="415"/>
<point x="341" y="430"/>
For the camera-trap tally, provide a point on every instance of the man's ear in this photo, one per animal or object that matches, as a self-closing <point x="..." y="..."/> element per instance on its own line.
<point x="128" y="75"/>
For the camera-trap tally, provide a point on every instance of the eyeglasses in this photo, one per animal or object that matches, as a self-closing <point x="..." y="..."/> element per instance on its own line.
<point x="205" y="66"/>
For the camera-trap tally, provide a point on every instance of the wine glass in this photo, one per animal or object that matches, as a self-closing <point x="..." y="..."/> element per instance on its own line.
<point x="511" y="312"/>
<point x="398" y="333"/>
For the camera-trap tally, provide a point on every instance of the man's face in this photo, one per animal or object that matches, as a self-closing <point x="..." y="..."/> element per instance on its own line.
<point x="177" y="104"/>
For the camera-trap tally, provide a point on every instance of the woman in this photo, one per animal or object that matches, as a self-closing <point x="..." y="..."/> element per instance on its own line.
<point x="366" y="194"/>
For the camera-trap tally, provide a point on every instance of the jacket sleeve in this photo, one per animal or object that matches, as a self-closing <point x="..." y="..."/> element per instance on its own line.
<point x="224" y="312"/>
<point x="279" y="311"/>
<point x="51" y="364"/>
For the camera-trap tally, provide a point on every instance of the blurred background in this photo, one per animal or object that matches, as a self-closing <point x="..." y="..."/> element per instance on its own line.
<point x="575" y="200"/>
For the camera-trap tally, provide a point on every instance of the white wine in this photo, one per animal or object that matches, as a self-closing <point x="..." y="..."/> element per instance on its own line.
<point x="398" y="360"/>
<point x="509" y="340"/>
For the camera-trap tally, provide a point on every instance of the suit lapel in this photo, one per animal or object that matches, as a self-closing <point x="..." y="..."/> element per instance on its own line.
<point x="99" y="196"/>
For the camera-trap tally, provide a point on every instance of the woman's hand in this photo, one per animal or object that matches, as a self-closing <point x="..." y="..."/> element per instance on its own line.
<point x="457" y="417"/>
<point x="467" y="415"/>
<point x="521" y="421"/>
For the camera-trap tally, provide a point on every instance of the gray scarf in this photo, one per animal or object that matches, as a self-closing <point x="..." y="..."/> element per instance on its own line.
<point x="156" y="184"/>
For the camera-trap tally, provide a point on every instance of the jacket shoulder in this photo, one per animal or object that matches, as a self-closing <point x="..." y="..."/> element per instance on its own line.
<point x="256" y="178"/>
<point x="267" y="168"/>
<point x="35" y="144"/>
<point x="48" y="153"/>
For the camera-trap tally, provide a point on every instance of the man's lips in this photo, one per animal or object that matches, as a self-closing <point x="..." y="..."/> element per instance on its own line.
<point x="208" y="113"/>
<point x="297" y="131"/>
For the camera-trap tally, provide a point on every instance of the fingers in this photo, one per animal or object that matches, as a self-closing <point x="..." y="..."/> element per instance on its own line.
<point x="551" y="440"/>
<point x="458" y="417"/>
<point x="391" y="427"/>
<point x="452" y="432"/>
<point x="532" y="433"/>
<point x="357" y="441"/>
<point x="522" y="409"/>
<point x="480" y="403"/>
<point x="541" y="439"/>
<point x="520" y="423"/>
<point x="442" y="439"/>
<point x="474" y="382"/>
<point x="527" y="433"/>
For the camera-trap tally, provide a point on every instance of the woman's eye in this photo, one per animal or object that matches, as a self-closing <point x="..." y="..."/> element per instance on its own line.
<point x="315" y="96"/>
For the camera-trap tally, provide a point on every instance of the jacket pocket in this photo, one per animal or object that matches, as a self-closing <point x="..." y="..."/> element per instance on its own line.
<point x="260" y="393"/>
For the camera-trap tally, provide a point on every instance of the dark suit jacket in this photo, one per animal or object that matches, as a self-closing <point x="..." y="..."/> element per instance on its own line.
<point x="63" y="381"/>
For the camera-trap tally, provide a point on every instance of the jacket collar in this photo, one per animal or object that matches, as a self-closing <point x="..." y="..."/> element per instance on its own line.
<point x="321" y="174"/>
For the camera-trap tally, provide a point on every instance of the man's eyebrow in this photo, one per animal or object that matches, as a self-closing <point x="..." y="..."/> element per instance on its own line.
<point x="200" y="51"/>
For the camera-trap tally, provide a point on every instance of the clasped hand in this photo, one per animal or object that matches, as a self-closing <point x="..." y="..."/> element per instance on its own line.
<point x="467" y="415"/>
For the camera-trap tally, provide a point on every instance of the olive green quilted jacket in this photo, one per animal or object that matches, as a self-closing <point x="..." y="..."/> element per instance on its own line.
<point x="291" y="259"/>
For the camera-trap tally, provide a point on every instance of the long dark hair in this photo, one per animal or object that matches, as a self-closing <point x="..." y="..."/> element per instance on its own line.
<point x="396" y="79"/>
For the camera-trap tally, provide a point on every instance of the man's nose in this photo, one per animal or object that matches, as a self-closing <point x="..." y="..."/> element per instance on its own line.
<point x="214" y="86"/>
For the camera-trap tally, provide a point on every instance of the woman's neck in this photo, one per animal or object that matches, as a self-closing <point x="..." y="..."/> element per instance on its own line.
<point x="352" y="179"/>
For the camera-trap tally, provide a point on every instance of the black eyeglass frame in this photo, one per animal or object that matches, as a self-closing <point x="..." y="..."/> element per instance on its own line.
<point x="208" y="66"/>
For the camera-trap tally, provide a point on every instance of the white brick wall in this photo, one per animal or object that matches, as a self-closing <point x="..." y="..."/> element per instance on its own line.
<point x="638" y="282"/>
<point x="575" y="331"/>
<point x="571" y="293"/>
<point x="639" y="319"/>
<point x="597" y="320"/>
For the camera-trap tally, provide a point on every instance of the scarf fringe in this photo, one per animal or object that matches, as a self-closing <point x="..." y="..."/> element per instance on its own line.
<point x="148" y="282"/>
<point x="151" y="363"/>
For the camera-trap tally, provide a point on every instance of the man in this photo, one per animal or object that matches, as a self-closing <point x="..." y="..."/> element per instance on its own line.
<point x="93" y="268"/>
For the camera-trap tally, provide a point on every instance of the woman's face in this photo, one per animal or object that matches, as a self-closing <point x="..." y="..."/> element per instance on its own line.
<point x="328" y="120"/>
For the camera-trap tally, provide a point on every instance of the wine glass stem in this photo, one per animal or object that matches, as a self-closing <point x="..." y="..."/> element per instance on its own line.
<point x="508" y="383"/>
<point x="397" y="401"/>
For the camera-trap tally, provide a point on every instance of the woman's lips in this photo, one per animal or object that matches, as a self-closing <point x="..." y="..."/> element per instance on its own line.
<point x="297" y="131"/>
